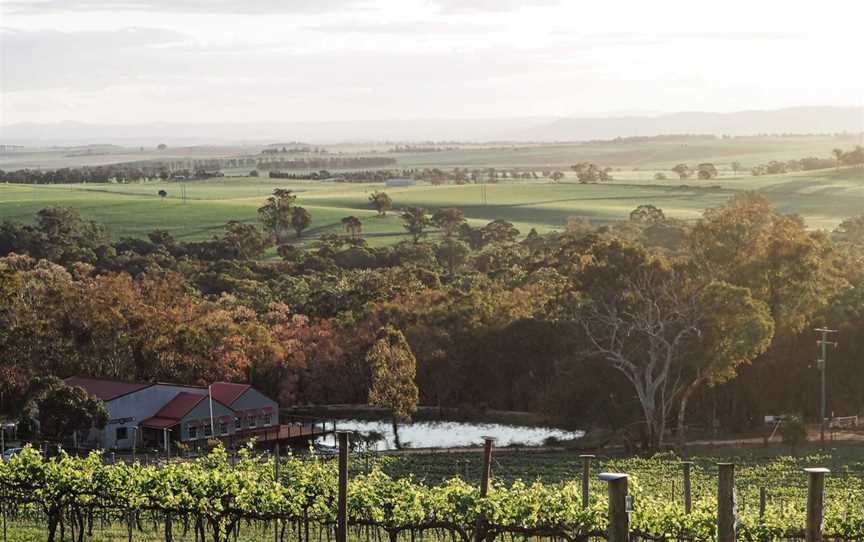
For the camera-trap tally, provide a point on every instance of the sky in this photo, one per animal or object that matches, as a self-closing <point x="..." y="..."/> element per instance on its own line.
<point x="139" y="61"/>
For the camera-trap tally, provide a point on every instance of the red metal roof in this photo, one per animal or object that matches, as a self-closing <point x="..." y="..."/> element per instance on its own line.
<point x="226" y="392"/>
<point x="159" y="423"/>
<point x="104" y="389"/>
<point x="180" y="405"/>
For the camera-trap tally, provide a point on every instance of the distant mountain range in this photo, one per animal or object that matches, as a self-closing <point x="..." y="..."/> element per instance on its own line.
<point x="798" y="120"/>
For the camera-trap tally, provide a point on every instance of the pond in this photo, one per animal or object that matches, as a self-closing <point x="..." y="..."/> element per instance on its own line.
<point x="447" y="434"/>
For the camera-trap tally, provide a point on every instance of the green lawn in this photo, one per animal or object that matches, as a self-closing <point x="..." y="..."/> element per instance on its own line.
<point x="824" y="198"/>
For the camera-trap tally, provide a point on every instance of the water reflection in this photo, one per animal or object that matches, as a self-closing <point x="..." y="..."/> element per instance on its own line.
<point x="378" y="434"/>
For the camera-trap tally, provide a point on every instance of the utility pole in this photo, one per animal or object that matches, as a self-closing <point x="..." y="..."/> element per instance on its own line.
<point x="823" y="342"/>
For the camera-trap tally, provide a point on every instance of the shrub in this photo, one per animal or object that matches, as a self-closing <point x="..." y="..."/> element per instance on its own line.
<point x="793" y="431"/>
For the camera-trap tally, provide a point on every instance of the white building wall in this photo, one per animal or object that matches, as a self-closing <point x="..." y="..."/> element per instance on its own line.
<point x="131" y="409"/>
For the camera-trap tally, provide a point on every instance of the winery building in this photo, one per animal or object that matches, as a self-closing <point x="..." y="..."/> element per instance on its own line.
<point x="144" y="415"/>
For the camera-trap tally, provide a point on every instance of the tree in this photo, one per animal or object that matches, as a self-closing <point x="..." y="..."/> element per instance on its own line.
<point x="850" y="231"/>
<point x="415" y="220"/>
<point x="60" y="410"/>
<point x="245" y="241"/>
<point x="637" y="318"/>
<point x="736" y="167"/>
<point x="275" y="215"/>
<point x="647" y="214"/>
<point x="300" y="220"/>
<point x="381" y="202"/>
<point x="394" y="370"/>
<point x="353" y="226"/>
<point x="734" y="329"/>
<point x="449" y="220"/>
<point x="556" y="176"/>
<point x="706" y="171"/>
<point x="499" y="231"/>
<point x="163" y="194"/>
<point x="838" y="157"/>
<point x="683" y="171"/>
<point x="161" y="146"/>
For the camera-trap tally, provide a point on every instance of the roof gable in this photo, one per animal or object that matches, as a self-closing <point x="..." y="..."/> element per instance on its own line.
<point x="104" y="389"/>
<point x="227" y="392"/>
<point x="179" y="406"/>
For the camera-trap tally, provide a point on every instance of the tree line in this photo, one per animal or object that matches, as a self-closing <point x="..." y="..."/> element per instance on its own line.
<point x="640" y="327"/>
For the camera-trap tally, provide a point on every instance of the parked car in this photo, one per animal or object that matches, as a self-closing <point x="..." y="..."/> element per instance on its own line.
<point x="9" y="453"/>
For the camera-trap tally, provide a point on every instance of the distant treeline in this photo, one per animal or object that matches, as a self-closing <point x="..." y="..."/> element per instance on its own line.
<point x="851" y="158"/>
<point x="340" y="162"/>
<point x="434" y="176"/>
<point x="98" y="174"/>
<point x="420" y="148"/>
<point x="659" y="138"/>
<point x="296" y="150"/>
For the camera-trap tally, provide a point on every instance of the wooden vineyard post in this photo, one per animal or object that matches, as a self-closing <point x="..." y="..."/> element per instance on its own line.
<point x="619" y="513"/>
<point x="342" y="511"/>
<point x="815" y="503"/>
<point x="726" y="515"/>
<point x="586" y="473"/>
<point x="688" y="500"/>
<point x="278" y="482"/>
<point x="763" y="497"/>
<point x="484" y="483"/>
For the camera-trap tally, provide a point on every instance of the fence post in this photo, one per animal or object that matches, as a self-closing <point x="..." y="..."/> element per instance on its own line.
<point x="342" y="511"/>
<point x="726" y="515"/>
<point x="619" y="517"/>
<point x="586" y="473"/>
<point x="484" y="483"/>
<point x="278" y="482"/>
<point x="815" y="503"/>
<point x="763" y="496"/>
<point x="688" y="501"/>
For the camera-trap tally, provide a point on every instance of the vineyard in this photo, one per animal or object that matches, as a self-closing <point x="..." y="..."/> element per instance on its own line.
<point x="222" y="497"/>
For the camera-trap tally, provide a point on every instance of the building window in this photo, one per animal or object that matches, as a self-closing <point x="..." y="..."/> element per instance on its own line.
<point x="238" y="423"/>
<point x="121" y="433"/>
<point x="223" y="428"/>
<point x="251" y="421"/>
<point x="193" y="431"/>
<point x="208" y="429"/>
<point x="266" y="419"/>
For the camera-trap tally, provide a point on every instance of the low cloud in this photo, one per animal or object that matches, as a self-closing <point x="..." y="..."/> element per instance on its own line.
<point x="179" y="6"/>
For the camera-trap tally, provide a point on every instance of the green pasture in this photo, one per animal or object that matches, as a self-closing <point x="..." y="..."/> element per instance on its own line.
<point x="823" y="198"/>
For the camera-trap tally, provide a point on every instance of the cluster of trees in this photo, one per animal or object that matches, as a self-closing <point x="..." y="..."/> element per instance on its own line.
<point x="705" y="171"/>
<point x="589" y="172"/>
<point x="642" y="326"/>
<point x="268" y="163"/>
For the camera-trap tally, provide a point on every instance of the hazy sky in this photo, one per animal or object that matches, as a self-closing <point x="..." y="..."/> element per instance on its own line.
<point x="133" y="61"/>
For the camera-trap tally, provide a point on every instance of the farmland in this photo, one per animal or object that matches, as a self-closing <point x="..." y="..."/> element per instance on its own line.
<point x="823" y="198"/>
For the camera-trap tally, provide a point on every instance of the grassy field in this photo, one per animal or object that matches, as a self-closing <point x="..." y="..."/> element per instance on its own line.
<point x="824" y="198"/>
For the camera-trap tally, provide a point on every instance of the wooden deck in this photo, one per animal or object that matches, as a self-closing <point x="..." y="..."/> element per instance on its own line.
<point x="288" y="432"/>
